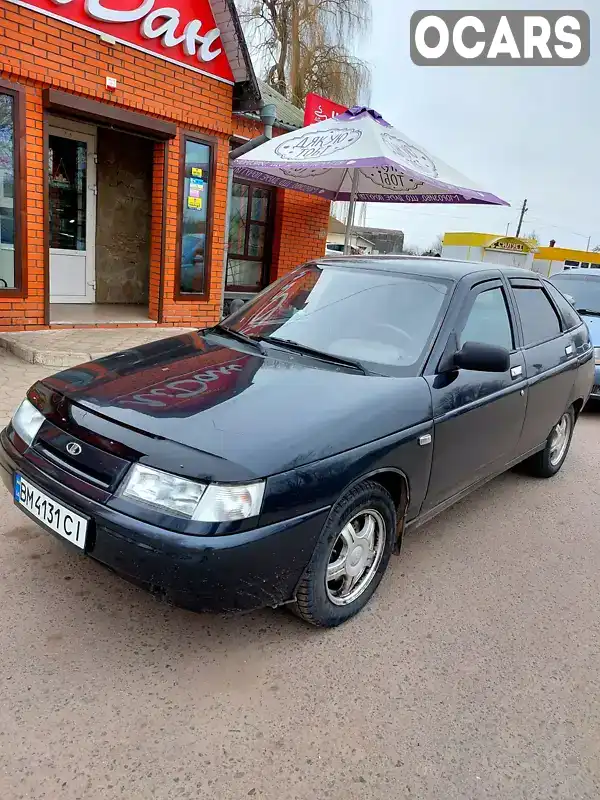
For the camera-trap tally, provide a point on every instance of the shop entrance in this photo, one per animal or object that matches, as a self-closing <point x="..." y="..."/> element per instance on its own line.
<point x="99" y="201"/>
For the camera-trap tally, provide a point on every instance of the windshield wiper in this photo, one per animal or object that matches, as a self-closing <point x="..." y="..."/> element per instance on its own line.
<point x="588" y="311"/>
<point x="241" y="337"/>
<point x="319" y="354"/>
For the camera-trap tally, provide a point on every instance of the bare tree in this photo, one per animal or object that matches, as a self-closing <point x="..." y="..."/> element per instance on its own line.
<point x="436" y="246"/>
<point x="307" y="46"/>
<point x="533" y="236"/>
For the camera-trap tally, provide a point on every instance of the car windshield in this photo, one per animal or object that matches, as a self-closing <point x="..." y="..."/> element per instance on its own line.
<point x="584" y="289"/>
<point x="382" y="320"/>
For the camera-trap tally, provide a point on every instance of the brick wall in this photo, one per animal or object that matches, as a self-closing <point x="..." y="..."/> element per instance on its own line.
<point x="37" y="52"/>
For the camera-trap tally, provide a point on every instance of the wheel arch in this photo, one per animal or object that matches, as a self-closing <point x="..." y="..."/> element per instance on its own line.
<point x="578" y="406"/>
<point x="394" y="481"/>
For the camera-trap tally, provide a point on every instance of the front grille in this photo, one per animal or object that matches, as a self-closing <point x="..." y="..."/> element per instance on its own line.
<point x="91" y="464"/>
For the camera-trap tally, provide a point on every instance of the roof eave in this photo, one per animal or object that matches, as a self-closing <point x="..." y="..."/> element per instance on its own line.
<point x="246" y="92"/>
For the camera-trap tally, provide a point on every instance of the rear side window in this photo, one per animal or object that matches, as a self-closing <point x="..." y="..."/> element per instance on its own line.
<point x="568" y="313"/>
<point x="538" y="317"/>
<point x="488" y="321"/>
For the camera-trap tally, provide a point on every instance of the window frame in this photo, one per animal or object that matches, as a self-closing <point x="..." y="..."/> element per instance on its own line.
<point x="474" y="293"/>
<point x="212" y="142"/>
<point x="524" y="283"/>
<point x="17" y="92"/>
<point x="268" y="225"/>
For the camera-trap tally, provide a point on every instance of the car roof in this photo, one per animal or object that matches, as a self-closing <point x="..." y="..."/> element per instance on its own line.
<point x="590" y="273"/>
<point x="429" y="266"/>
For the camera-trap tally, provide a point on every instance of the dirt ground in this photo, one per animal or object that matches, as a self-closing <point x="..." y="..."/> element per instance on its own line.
<point x="474" y="672"/>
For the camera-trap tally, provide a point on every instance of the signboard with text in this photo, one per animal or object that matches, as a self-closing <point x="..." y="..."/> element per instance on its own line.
<point x="317" y="108"/>
<point x="181" y="31"/>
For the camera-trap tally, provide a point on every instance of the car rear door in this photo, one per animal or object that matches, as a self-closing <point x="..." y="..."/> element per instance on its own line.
<point x="551" y="360"/>
<point x="478" y="416"/>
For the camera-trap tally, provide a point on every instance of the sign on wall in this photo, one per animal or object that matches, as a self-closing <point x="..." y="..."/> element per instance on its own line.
<point x="511" y="244"/>
<point x="317" y="108"/>
<point x="181" y="31"/>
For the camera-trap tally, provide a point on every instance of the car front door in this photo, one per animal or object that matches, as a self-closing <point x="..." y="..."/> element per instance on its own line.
<point x="551" y="361"/>
<point x="478" y="416"/>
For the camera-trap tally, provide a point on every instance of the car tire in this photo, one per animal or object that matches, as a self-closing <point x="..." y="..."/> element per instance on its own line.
<point x="548" y="461"/>
<point x="355" y="546"/>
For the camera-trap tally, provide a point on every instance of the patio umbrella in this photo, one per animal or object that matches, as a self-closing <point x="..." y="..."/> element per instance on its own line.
<point x="358" y="157"/>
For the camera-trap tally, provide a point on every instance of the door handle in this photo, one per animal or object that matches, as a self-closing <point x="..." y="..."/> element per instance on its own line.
<point x="516" y="372"/>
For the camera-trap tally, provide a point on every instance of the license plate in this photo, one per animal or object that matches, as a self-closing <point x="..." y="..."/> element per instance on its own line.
<point x="50" y="513"/>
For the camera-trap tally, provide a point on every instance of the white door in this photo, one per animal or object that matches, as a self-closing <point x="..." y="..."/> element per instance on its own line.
<point x="72" y="206"/>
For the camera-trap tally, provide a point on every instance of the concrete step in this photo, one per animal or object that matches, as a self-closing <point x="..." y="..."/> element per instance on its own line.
<point x="68" y="347"/>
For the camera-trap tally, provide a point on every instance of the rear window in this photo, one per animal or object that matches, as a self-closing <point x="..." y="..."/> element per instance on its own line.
<point x="584" y="289"/>
<point x="570" y="316"/>
<point x="538" y="317"/>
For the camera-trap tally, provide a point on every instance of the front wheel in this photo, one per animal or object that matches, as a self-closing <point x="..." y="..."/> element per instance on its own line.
<point x="548" y="461"/>
<point x="350" y="557"/>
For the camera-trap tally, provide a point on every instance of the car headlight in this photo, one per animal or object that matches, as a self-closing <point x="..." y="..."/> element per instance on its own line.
<point x="597" y="354"/>
<point x="27" y="421"/>
<point x="182" y="497"/>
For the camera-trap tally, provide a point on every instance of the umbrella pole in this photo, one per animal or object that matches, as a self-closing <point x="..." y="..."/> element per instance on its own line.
<point x="351" y="210"/>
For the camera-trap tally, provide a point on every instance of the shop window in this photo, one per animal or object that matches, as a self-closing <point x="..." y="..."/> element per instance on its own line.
<point x="10" y="217"/>
<point x="195" y="228"/>
<point x="249" y="254"/>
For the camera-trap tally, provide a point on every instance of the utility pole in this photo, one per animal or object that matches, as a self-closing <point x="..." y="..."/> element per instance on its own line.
<point x="589" y="243"/>
<point x="524" y="210"/>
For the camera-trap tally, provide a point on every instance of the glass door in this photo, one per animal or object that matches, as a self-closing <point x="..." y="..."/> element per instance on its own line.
<point x="72" y="215"/>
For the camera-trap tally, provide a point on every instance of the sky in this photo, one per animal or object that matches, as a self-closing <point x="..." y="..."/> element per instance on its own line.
<point x="519" y="132"/>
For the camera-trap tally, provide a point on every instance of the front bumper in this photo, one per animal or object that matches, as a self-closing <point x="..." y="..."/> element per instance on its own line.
<point x="237" y="572"/>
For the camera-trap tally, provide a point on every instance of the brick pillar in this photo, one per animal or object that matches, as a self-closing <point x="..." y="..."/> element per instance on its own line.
<point x="27" y="309"/>
<point x="300" y="232"/>
<point x="204" y="311"/>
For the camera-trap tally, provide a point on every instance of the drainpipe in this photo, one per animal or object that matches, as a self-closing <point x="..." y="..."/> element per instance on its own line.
<point x="267" y="115"/>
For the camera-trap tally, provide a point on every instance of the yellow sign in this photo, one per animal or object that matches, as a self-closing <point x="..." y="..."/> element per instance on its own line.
<point x="510" y="243"/>
<point x="195" y="202"/>
<point x="197" y="172"/>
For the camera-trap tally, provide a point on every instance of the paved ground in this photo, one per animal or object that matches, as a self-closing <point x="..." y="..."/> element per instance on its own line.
<point x="475" y="673"/>
<point x="65" y="348"/>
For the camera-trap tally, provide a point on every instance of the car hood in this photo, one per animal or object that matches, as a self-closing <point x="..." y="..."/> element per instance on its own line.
<point x="593" y="324"/>
<point x="265" y="413"/>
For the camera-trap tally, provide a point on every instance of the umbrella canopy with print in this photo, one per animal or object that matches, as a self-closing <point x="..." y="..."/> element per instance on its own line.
<point x="358" y="156"/>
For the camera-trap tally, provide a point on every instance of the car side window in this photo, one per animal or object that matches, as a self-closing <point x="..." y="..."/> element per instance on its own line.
<point x="568" y="313"/>
<point x="539" y="320"/>
<point x="488" y="321"/>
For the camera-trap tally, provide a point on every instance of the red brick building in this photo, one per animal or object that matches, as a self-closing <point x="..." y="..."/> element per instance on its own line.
<point x="116" y="122"/>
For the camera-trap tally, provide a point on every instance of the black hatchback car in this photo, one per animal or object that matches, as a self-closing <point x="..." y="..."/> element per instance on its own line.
<point x="278" y="457"/>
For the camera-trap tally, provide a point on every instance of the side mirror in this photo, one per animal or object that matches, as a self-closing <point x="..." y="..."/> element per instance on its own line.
<point x="482" y="358"/>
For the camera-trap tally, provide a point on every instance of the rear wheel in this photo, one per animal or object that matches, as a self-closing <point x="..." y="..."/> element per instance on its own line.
<point x="350" y="557"/>
<point x="548" y="461"/>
